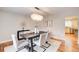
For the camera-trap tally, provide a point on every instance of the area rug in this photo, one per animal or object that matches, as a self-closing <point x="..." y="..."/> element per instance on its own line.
<point x="52" y="48"/>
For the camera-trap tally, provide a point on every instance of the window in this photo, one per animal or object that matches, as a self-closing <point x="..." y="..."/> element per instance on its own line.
<point x="68" y="23"/>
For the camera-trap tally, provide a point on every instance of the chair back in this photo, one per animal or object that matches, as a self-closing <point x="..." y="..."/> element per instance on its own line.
<point x="47" y="39"/>
<point x="42" y="39"/>
<point x="15" y="41"/>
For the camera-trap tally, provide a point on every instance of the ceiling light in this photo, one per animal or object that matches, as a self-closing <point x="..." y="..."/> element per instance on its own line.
<point x="37" y="17"/>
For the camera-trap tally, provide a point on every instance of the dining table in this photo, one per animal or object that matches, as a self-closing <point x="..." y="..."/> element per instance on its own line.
<point x="31" y="36"/>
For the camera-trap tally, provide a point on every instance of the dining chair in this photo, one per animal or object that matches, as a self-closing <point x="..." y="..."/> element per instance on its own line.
<point x="41" y="42"/>
<point x="17" y="45"/>
<point x="47" y="40"/>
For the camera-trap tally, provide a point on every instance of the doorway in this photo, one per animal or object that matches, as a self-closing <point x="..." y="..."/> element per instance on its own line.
<point x="71" y="31"/>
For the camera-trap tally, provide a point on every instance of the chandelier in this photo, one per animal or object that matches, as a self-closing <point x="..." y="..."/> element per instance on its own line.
<point x="37" y="17"/>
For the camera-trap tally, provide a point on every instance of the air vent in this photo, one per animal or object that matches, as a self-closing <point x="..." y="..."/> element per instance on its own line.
<point x="37" y="8"/>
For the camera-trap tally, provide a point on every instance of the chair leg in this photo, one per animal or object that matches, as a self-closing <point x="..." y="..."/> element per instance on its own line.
<point x="48" y="44"/>
<point x="44" y="50"/>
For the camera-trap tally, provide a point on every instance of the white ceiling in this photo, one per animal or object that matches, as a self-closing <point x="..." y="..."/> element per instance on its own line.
<point x="18" y="10"/>
<point x="43" y="10"/>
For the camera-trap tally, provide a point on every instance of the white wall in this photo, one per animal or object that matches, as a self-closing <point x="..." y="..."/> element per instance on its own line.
<point x="9" y="24"/>
<point x="58" y="26"/>
<point x="78" y="32"/>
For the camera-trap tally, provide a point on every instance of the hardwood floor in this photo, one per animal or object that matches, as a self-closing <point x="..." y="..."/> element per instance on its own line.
<point x="62" y="45"/>
<point x="4" y="44"/>
<point x="73" y="48"/>
<point x="73" y="39"/>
